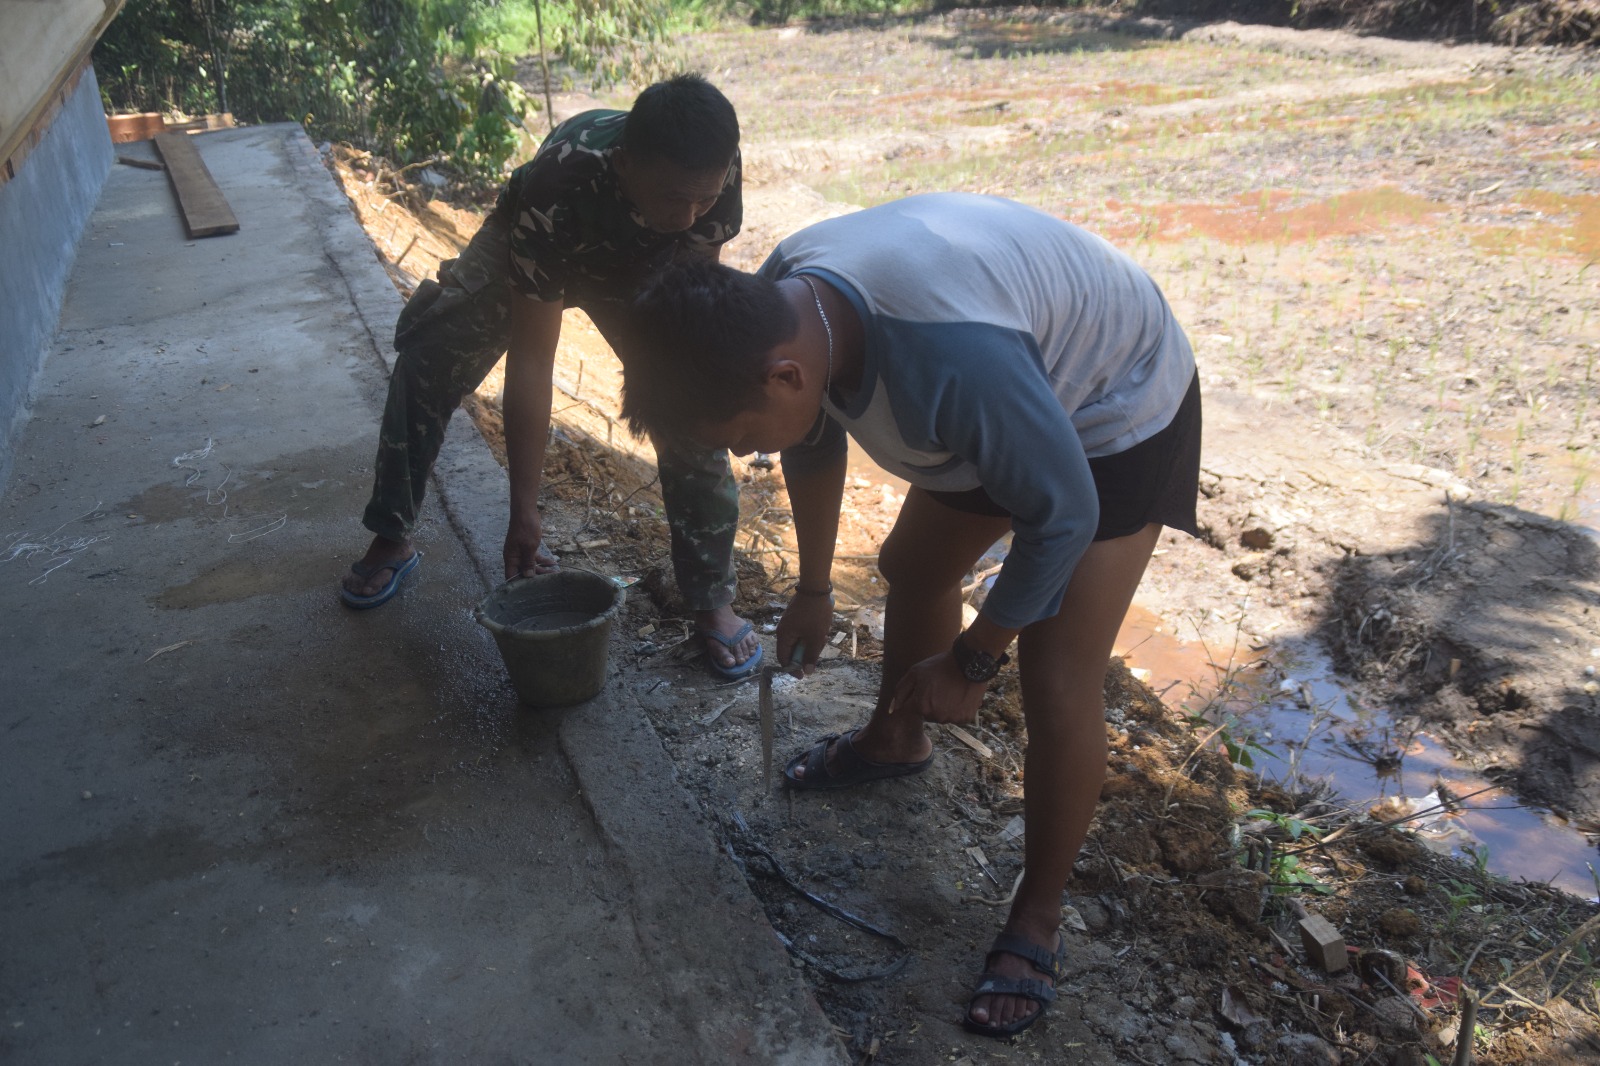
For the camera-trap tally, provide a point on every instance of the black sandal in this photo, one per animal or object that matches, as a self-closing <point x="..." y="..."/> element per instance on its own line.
<point x="1050" y="963"/>
<point x="849" y="767"/>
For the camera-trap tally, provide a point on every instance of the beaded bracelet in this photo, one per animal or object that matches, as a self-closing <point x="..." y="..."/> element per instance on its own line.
<point x="798" y="591"/>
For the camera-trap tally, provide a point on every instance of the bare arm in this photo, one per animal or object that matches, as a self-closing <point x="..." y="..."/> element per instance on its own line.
<point x="530" y="363"/>
<point x="815" y="499"/>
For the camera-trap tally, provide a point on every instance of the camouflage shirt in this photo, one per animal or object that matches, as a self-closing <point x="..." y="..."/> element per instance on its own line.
<point x="574" y="236"/>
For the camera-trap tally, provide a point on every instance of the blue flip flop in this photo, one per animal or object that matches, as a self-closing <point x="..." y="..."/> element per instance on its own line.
<point x="738" y="671"/>
<point x="385" y="594"/>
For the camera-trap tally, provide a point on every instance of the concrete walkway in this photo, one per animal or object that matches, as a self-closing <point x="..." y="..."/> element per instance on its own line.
<point x="246" y="824"/>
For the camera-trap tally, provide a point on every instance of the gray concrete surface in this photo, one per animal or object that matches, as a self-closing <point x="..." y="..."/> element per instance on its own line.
<point x="43" y="210"/>
<point x="248" y="825"/>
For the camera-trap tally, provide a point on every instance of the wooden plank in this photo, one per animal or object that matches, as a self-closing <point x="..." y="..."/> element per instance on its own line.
<point x="140" y="127"/>
<point x="205" y="210"/>
<point x="223" y="121"/>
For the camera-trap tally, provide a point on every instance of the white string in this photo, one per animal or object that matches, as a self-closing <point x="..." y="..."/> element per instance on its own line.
<point x="41" y="578"/>
<point x="271" y="526"/>
<point x="221" y="500"/>
<point x="217" y="496"/>
<point x="60" y="550"/>
<point x="182" y="461"/>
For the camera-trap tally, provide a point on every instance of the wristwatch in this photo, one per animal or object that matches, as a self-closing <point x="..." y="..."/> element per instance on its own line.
<point x="976" y="666"/>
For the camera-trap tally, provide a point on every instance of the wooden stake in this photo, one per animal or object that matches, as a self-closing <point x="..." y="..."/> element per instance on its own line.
<point x="1466" y="1028"/>
<point x="407" y="252"/>
<point x="1323" y="944"/>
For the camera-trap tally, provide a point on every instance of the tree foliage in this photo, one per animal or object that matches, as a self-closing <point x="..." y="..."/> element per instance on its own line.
<point x="410" y="79"/>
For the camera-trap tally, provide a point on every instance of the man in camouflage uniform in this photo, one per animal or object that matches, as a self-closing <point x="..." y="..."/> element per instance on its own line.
<point x="608" y="198"/>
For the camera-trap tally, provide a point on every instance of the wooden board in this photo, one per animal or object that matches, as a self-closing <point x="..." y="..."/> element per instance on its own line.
<point x="205" y="210"/>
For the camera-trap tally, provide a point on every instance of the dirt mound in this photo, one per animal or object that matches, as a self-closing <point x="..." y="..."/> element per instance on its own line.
<point x="1524" y="23"/>
<point x="1506" y="682"/>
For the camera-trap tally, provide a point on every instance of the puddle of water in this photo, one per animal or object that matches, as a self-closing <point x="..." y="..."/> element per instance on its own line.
<point x="163" y="503"/>
<point x="242" y="578"/>
<point x="1274" y="216"/>
<point x="1578" y="235"/>
<point x="1292" y="704"/>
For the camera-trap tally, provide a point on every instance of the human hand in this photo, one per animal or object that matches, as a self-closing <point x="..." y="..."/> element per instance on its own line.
<point x="937" y="690"/>
<point x="803" y="629"/>
<point x="525" y="554"/>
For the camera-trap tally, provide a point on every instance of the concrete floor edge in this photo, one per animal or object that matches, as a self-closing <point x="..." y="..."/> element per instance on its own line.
<point x="615" y="754"/>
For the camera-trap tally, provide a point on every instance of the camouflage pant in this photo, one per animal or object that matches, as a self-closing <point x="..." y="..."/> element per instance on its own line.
<point x="448" y="338"/>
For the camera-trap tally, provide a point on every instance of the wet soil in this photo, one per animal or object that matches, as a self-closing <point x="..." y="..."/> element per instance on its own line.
<point x="1383" y="253"/>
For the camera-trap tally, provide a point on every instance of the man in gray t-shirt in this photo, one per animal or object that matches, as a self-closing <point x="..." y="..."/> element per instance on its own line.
<point x="1023" y="376"/>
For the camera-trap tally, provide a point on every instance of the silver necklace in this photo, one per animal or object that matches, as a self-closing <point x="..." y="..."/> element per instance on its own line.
<point x="827" y="327"/>
<point x="828" y="381"/>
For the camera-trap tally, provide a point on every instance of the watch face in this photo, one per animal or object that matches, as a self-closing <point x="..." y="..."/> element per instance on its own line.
<point x="979" y="667"/>
<point x="976" y="666"/>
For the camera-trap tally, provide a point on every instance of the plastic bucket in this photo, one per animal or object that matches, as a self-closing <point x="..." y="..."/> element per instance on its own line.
<point x="553" y="632"/>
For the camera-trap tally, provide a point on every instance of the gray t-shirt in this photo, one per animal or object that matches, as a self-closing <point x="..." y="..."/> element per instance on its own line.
<point x="1004" y="347"/>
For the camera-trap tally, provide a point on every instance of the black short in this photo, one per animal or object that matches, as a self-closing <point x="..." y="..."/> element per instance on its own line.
<point x="1156" y="480"/>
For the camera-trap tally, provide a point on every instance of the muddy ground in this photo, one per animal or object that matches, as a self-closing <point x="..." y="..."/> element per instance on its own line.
<point x="1384" y="253"/>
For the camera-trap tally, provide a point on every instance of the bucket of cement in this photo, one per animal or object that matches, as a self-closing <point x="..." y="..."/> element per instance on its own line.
<point x="553" y="631"/>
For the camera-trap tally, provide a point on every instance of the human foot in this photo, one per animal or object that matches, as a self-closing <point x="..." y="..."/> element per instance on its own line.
<point x="380" y="571"/>
<point x="730" y="642"/>
<point x="1019" y="981"/>
<point x="842" y="760"/>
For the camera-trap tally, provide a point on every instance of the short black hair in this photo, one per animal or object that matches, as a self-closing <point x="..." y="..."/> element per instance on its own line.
<point x="703" y="331"/>
<point x="684" y="120"/>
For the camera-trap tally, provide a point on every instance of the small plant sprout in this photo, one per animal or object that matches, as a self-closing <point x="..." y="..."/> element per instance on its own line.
<point x="1460" y="897"/>
<point x="1238" y="746"/>
<point x="1293" y="828"/>
<point x="1289" y="874"/>
<point x="1572" y="506"/>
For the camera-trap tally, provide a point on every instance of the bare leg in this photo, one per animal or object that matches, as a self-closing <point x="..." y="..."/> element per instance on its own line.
<point x="924" y="558"/>
<point x="1063" y="663"/>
